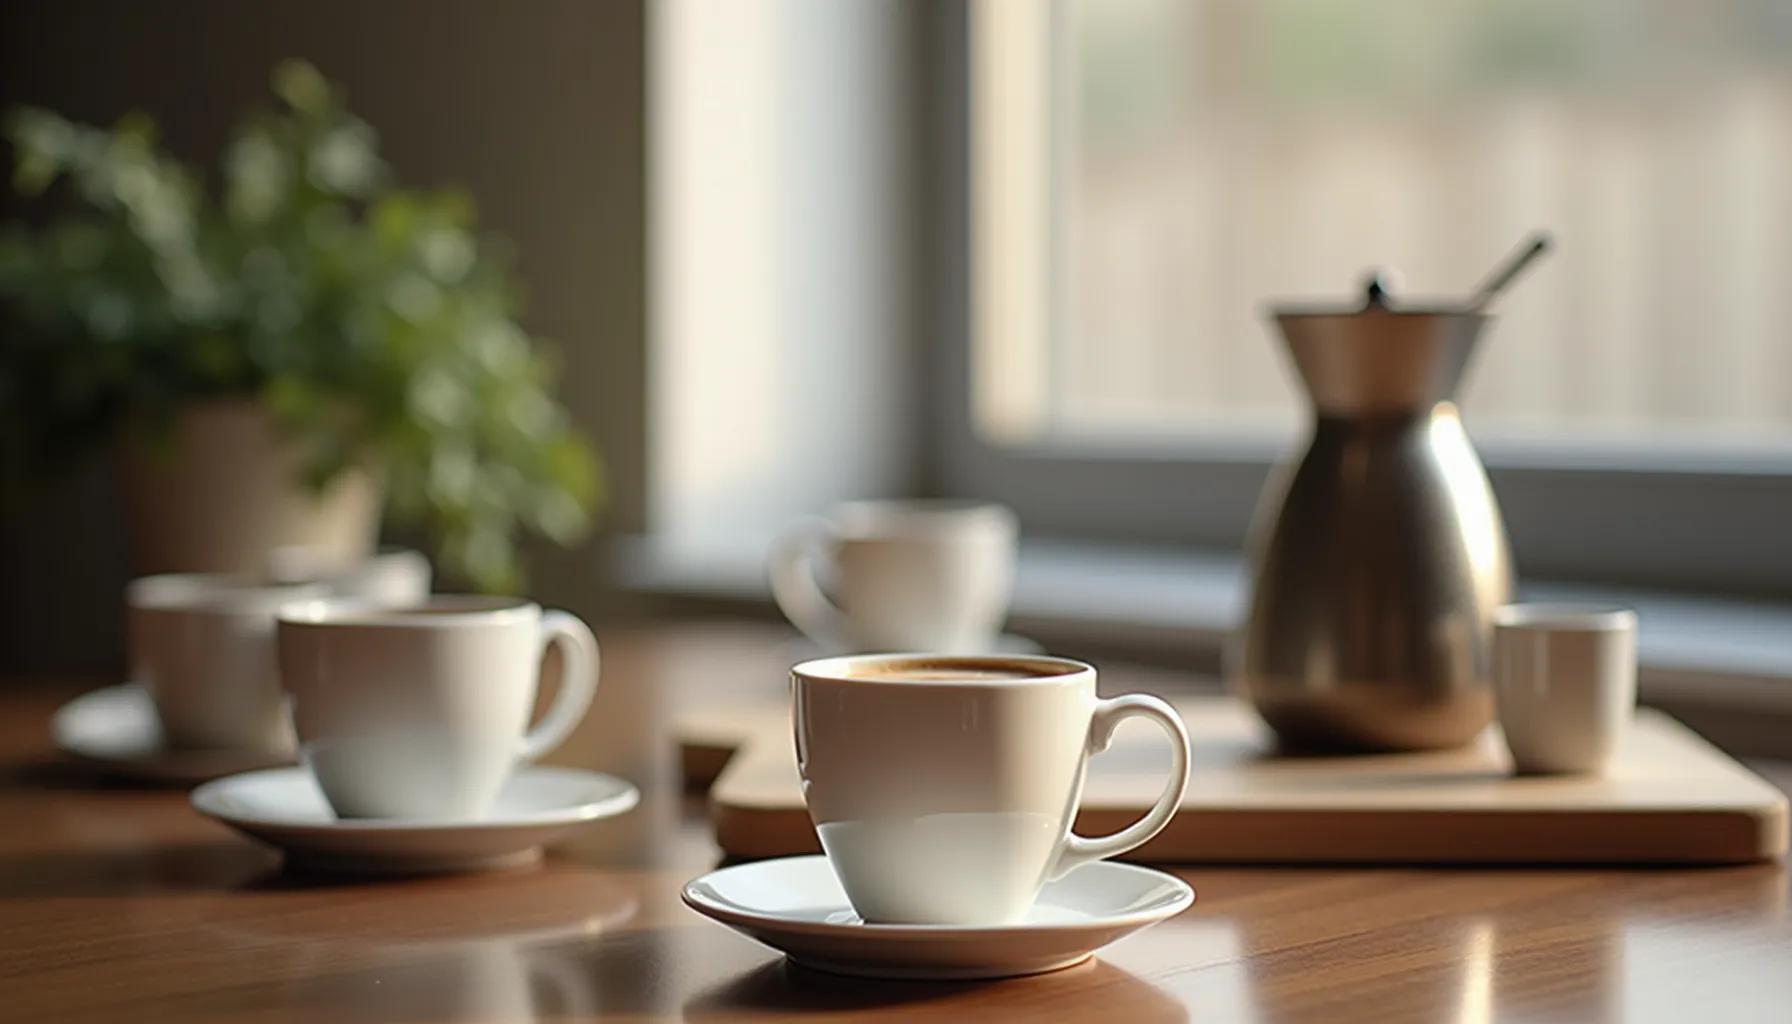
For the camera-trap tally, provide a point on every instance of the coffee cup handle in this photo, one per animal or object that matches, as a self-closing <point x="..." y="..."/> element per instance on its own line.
<point x="578" y="682"/>
<point x="1080" y="850"/>
<point x="794" y="585"/>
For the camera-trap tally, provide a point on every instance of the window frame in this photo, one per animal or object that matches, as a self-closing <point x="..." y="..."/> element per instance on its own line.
<point x="1696" y="518"/>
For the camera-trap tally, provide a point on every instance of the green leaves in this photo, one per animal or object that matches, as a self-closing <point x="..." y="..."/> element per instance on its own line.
<point x="303" y="88"/>
<point x="257" y="178"/>
<point x="374" y="324"/>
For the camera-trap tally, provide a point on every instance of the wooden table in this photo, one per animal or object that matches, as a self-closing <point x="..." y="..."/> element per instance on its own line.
<point x="120" y="904"/>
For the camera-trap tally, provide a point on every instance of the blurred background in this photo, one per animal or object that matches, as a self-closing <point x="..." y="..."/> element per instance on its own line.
<point x="1214" y="155"/>
<point x="536" y="113"/>
<point x="791" y="251"/>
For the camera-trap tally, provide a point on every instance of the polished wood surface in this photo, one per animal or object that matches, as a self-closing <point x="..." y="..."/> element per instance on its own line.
<point x="120" y="904"/>
<point x="1669" y="797"/>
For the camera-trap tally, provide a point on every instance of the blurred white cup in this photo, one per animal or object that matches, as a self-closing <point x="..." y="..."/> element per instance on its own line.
<point x="1564" y="683"/>
<point x="202" y="645"/>
<point x="393" y="575"/>
<point x="909" y="575"/>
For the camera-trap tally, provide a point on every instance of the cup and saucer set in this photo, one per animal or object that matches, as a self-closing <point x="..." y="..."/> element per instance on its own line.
<point x="943" y="789"/>
<point x="942" y="785"/>
<point x="118" y="730"/>
<point x="352" y="720"/>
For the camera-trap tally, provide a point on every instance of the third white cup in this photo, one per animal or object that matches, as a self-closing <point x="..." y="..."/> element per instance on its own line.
<point x="918" y="575"/>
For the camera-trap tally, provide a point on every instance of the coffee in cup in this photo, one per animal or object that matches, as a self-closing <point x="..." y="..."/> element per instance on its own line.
<point x="943" y="670"/>
<point x="202" y="645"/>
<point x="421" y="711"/>
<point x="921" y="575"/>
<point x="943" y="788"/>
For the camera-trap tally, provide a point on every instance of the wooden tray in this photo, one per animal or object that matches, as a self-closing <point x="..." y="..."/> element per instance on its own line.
<point x="1670" y="798"/>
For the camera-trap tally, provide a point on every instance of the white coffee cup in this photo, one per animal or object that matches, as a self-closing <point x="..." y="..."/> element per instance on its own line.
<point x="943" y="788"/>
<point x="422" y="711"/>
<point x="203" y="646"/>
<point x="923" y="575"/>
<point x="1564" y="684"/>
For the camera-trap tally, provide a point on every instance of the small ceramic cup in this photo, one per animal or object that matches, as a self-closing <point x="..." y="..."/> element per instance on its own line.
<point x="916" y="575"/>
<point x="944" y="788"/>
<point x="421" y="711"/>
<point x="1564" y="683"/>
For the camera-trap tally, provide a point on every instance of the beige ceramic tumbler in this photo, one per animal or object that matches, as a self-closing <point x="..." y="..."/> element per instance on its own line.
<point x="1564" y="679"/>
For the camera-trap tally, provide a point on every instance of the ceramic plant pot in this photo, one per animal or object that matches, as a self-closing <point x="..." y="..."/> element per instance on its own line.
<point x="226" y="493"/>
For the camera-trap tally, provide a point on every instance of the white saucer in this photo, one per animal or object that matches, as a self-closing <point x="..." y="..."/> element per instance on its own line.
<point x="284" y="808"/>
<point x="795" y="905"/>
<point x="115" y="729"/>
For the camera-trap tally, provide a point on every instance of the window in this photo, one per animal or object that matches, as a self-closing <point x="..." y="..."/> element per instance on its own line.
<point x="1144" y="177"/>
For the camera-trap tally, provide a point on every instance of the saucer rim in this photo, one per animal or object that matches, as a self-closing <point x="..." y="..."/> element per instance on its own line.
<point x="1183" y="899"/>
<point x="627" y="797"/>
<point x="989" y="971"/>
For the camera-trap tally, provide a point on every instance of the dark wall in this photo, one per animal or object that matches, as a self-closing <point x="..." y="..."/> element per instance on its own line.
<point x="537" y="107"/>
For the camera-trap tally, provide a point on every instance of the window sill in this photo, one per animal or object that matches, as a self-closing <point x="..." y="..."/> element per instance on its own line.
<point x="1724" y="665"/>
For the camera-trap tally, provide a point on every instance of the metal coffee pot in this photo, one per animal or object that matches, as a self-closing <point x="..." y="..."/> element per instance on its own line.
<point x="1378" y="557"/>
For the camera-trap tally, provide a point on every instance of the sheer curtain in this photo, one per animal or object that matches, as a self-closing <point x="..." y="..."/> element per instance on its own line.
<point x="1212" y="156"/>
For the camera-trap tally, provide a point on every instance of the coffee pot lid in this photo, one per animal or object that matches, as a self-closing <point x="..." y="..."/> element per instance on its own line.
<point x="1381" y="283"/>
<point x="1380" y="292"/>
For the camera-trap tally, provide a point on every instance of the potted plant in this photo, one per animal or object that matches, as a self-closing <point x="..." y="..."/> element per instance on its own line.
<point x="284" y="358"/>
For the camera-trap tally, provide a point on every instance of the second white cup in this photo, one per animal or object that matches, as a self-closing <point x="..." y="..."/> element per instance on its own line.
<point x="422" y="711"/>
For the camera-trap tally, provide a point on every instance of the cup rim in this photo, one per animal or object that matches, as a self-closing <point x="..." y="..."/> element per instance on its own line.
<point x="433" y="611"/>
<point x="297" y="563"/>
<point x="835" y="669"/>
<point x="1560" y="616"/>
